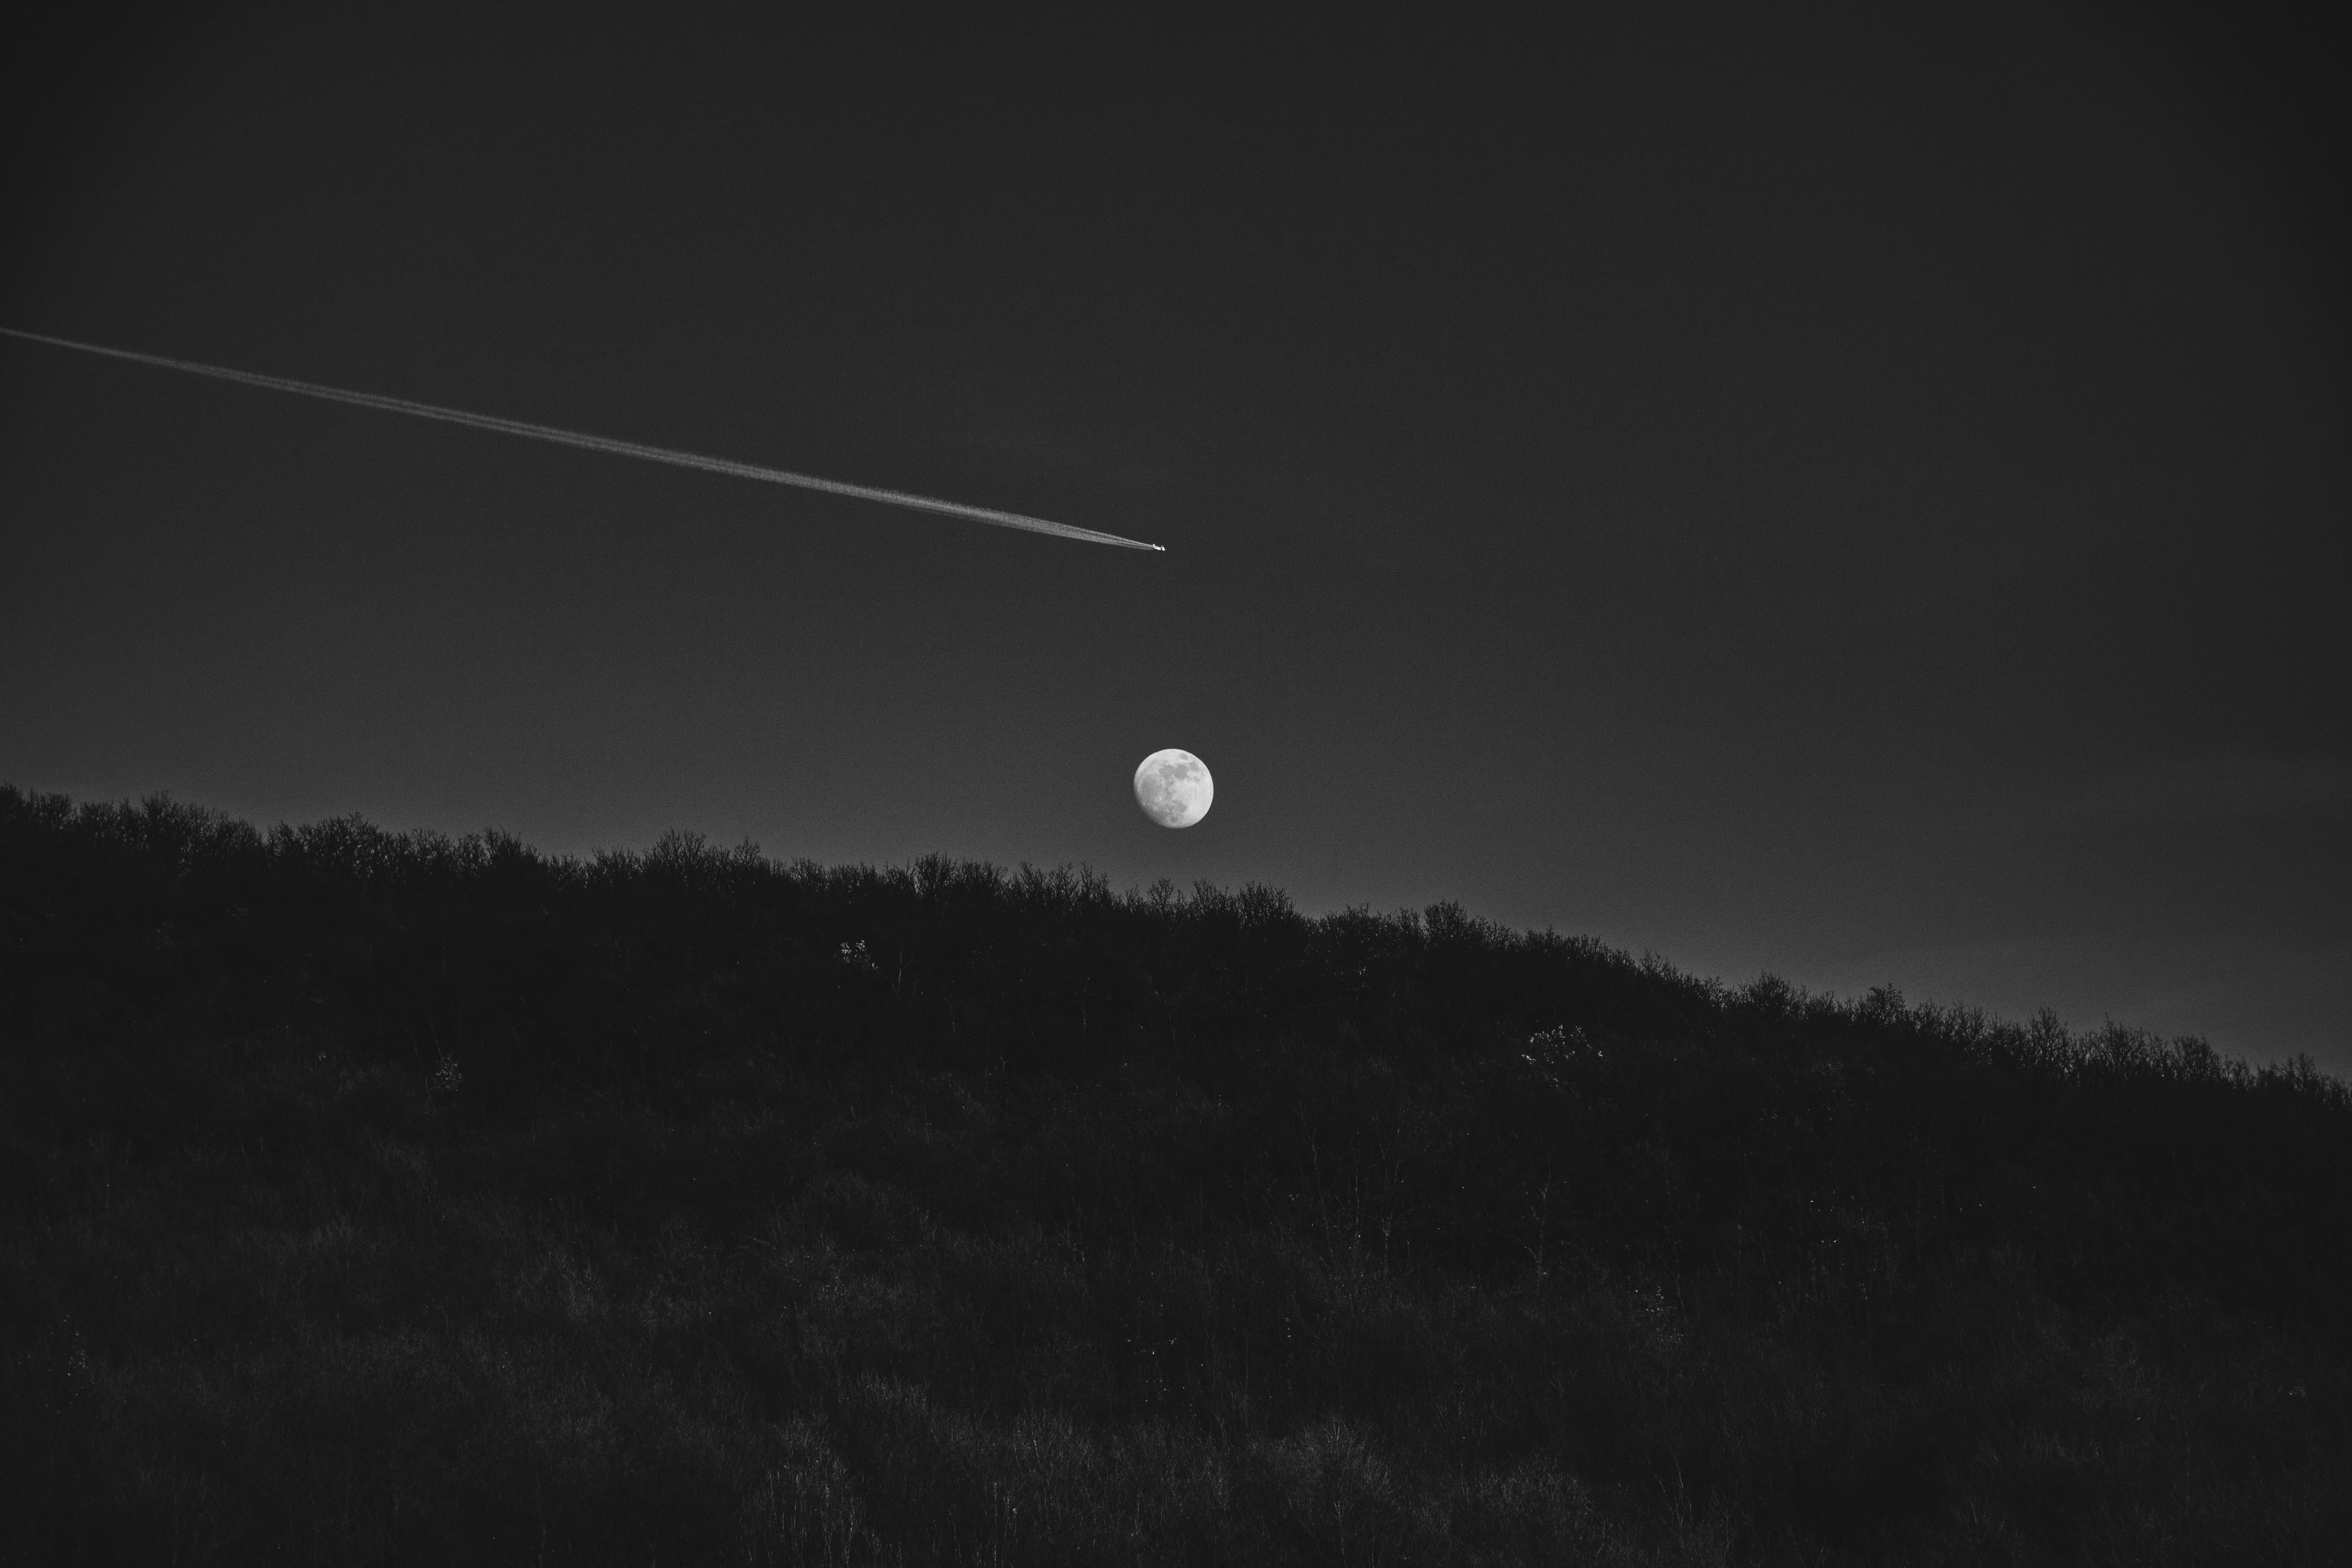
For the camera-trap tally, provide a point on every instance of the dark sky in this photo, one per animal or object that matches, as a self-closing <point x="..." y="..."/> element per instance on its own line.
<point x="1856" y="494"/>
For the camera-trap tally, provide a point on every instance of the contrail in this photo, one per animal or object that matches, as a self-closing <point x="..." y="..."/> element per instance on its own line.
<point x="600" y="444"/>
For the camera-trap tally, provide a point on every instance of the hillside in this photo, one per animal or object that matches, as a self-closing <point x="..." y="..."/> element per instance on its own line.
<point x="371" y="1198"/>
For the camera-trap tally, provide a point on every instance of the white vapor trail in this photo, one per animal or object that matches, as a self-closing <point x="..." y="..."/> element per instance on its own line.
<point x="600" y="444"/>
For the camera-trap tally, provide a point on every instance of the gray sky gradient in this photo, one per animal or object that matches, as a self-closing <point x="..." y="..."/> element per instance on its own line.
<point x="1851" y="491"/>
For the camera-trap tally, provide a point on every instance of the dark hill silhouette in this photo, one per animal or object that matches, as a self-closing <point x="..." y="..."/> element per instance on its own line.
<point x="370" y="1197"/>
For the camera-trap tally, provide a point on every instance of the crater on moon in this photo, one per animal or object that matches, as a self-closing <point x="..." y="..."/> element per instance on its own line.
<point x="1174" y="788"/>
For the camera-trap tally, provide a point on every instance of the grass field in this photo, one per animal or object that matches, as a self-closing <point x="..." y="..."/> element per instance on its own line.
<point x="368" y="1198"/>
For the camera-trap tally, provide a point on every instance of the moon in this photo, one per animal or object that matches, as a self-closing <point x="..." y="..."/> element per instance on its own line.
<point x="1174" y="788"/>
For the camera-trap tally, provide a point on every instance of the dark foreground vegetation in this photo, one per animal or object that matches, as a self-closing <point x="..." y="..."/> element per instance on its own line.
<point x="379" y="1199"/>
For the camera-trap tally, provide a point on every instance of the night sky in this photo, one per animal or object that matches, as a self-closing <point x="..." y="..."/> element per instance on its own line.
<point x="1856" y="495"/>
